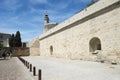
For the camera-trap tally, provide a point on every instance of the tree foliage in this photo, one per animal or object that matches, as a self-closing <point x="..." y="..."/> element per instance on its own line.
<point x="15" y="40"/>
<point x="18" y="42"/>
<point x="12" y="41"/>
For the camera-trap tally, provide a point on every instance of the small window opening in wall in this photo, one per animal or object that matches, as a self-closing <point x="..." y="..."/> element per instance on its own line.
<point x="51" y="50"/>
<point x="95" y="44"/>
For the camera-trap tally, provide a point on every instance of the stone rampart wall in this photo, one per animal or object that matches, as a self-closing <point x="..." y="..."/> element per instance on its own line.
<point x="71" y="39"/>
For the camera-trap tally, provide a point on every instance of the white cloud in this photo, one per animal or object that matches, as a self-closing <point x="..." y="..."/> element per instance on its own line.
<point x="38" y="1"/>
<point x="81" y="1"/>
<point x="10" y="4"/>
<point x="30" y="23"/>
<point x="59" y="5"/>
<point x="27" y="35"/>
<point x="26" y="28"/>
<point x="7" y="30"/>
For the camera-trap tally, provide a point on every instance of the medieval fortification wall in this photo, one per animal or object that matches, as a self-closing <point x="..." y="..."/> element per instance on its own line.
<point x="92" y="34"/>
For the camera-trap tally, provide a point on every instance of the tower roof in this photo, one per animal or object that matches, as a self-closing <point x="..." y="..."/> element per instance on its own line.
<point x="46" y="18"/>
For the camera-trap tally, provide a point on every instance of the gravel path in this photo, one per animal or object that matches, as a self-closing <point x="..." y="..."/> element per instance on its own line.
<point x="61" y="69"/>
<point x="13" y="69"/>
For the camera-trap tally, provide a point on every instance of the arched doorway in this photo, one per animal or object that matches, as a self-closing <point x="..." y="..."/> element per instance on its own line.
<point x="95" y="44"/>
<point x="51" y="50"/>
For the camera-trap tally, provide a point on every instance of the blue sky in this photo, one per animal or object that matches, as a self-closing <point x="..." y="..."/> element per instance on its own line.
<point x="27" y="16"/>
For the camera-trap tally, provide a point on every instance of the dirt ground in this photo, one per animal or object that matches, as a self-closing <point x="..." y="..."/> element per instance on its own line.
<point x="63" y="69"/>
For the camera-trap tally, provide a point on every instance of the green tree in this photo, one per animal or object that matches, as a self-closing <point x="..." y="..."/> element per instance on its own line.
<point x="15" y="40"/>
<point x="12" y="41"/>
<point x="18" y="42"/>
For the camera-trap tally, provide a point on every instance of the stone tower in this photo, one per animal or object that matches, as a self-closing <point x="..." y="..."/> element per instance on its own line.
<point x="48" y="25"/>
<point x="46" y="19"/>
